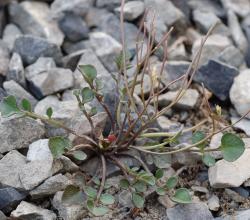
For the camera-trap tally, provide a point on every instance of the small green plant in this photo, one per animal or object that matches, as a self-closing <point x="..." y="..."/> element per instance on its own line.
<point x="124" y="131"/>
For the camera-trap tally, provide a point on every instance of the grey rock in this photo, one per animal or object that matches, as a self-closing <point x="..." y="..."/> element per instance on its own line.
<point x="239" y="92"/>
<point x="232" y="195"/>
<point x="213" y="203"/>
<point x="125" y="199"/>
<point x="28" y="211"/>
<point x="72" y="47"/>
<point x="16" y="70"/>
<point x="31" y="48"/>
<point x="80" y="7"/>
<point x="166" y="201"/>
<point x="35" y="18"/>
<point x="52" y="81"/>
<point x="10" y="198"/>
<point x="238" y="215"/>
<point x="3" y="94"/>
<point x="194" y="211"/>
<point x="241" y="191"/>
<point x="214" y="45"/>
<point x="237" y="33"/>
<point x="43" y="64"/>
<point x="50" y="186"/>
<point x="232" y="56"/>
<point x="74" y="27"/>
<point x="13" y="88"/>
<point x="132" y="10"/>
<point x="109" y="4"/>
<point x="218" y="77"/>
<point x="19" y="133"/>
<point x="230" y="174"/>
<point x="241" y="7"/>
<point x="4" y="58"/>
<point x="68" y="212"/>
<point x="10" y="166"/>
<point x="106" y="48"/>
<point x="178" y="53"/>
<point x="188" y="101"/>
<point x="204" y="20"/>
<point x="3" y="19"/>
<point x="2" y="216"/>
<point x="68" y="165"/>
<point x="10" y="34"/>
<point x="243" y="124"/>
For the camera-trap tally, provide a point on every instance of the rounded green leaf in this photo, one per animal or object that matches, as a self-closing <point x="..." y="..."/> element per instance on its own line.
<point x="107" y="199"/>
<point x="172" y="182"/>
<point x="49" y="112"/>
<point x="160" y="191"/>
<point x="58" y="145"/>
<point x="138" y="200"/>
<point x="148" y="178"/>
<point x="232" y="147"/>
<point x="26" y="105"/>
<point x="89" y="72"/>
<point x="159" y="173"/>
<point x="124" y="184"/>
<point x="90" y="191"/>
<point x="87" y="95"/>
<point x="197" y="137"/>
<point x="100" y="211"/>
<point x="182" y="195"/>
<point x="208" y="160"/>
<point x="79" y="155"/>
<point x="98" y="84"/>
<point x="140" y="186"/>
<point x="8" y="107"/>
<point x="72" y="195"/>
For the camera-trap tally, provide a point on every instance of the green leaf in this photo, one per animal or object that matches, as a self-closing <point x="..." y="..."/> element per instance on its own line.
<point x="93" y="111"/>
<point x="90" y="204"/>
<point x="79" y="179"/>
<point x="90" y="191"/>
<point x="138" y="200"/>
<point x="49" y="112"/>
<point x="26" y="105"/>
<point x="172" y="182"/>
<point x="208" y="160"/>
<point x="87" y="95"/>
<point x="89" y="72"/>
<point x="98" y="84"/>
<point x="79" y="155"/>
<point x="232" y="147"/>
<point x="159" y="173"/>
<point x="160" y="191"/>
<point x="197" y="137"/>
<point x="8" y="107"/>
<point x="140" y="186"/>
<point x="124" y="184"/>
<point x="73" y="195"/>
<point x="149" y="179"/>
<point x="182" y="195"/>
<point x="107" y="199"/>
<point x="100" y="211"/>
<point x="58" y="145"/>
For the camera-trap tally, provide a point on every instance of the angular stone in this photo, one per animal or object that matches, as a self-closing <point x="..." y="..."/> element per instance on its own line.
<point x="217" y="77"/>
<point x="213" y="203"/>
<point x="243" y="124"/>
<point x="238" y="215"/>
<point x="204" y="20"/>
<point x="43" y="64"/>
<point x="214" y="45"/>
<point x="10" y="34"/>
<point x="74" y="27"/>
<point x="68" y="165"/>
<point x="106" y="48"/>
<point x="25" y="210"/>
<point x="10" y="198"/>
<point x="239" y="93"/>
<point x="230" y="174"/>
<point x="10" y="167"/>
<point x="240" y="7"/>
<point x="35" y="18"/>
<point x="50" y="186"/>
<point x="19" y="133"/>
<point x="68" y="212"/>
<point x="236" y="31"/>
<point x="13" y="88"/>
<point x="2" y="216"/>
<point x="3" y="94"/>
<point x="4" y="58"/>
<point x="132" y="10"/>
<point x="16" y="70"/>
<point x="188" y="101"/>
<point x="109" y="4"/>
<point x="194" y="211"/>
<point x="52" y="81"/>
<point x="31" y="48"/>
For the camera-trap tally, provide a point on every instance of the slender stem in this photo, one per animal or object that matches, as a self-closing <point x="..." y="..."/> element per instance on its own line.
<point x="104" y="173"/>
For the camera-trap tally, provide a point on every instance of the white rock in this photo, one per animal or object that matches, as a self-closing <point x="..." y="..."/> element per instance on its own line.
<point x="132" y="10"/>
<point x="24" y="210"/>
<point x="231" y="174"/>
<point x="213" y="203"/>
<point x="239" y="93"/>
<point x="215" y="143"/>
<point x="240" y="7"/>
<point x="243" y="124"/>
